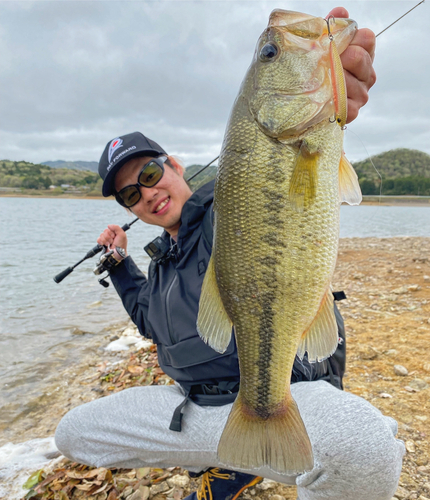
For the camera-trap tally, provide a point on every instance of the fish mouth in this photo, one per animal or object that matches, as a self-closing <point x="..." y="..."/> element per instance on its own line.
<point x="161" y="205"/>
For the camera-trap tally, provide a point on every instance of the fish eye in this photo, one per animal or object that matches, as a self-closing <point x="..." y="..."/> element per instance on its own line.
<point x="268" y="51"/>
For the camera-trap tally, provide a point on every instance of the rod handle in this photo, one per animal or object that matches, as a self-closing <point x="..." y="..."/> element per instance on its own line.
<point x="63" y="274"/>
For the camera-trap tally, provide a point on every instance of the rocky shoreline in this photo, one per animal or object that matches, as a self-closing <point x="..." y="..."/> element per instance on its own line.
<point x="387" y="317"/>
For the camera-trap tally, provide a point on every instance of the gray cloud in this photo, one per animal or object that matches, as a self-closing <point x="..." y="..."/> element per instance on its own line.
<point x="76" y="74"/>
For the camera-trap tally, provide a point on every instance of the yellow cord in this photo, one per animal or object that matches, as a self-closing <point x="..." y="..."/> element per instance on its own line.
<point x="207" y="477"/>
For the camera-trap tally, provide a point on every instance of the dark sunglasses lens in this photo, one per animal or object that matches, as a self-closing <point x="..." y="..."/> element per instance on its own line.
<point x="151" y="174"/>
<point x="129" y="196"/>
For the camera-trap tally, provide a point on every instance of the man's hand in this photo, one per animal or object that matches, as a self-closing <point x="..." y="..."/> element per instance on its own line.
<point x="113" y="236"/>
<point x="357" y="62"/>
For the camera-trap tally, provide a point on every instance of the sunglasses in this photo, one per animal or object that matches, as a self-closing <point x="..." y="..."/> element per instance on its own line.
<point x="151" y="173"/>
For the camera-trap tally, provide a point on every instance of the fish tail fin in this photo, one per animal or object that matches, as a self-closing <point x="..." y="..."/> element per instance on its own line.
<point x="279" y="441"/>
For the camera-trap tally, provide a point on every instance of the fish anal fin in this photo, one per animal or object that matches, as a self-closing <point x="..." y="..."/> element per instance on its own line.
<point x="279" y="441"/>
<point x="213" y="324"/>
<point x="349" y="188"/>
<point x="321" y="339"/>
<point x="304" y="179"/>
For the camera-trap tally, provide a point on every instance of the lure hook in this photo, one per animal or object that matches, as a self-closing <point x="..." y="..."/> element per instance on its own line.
<point x="330" y="36"/>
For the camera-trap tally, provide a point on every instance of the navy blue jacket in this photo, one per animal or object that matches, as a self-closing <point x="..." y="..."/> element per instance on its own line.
<point x="164" y="307"/>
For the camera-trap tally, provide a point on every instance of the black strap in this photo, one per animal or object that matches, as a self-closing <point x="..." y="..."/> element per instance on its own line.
<point x="339" y="295"/>
<point x="205" y="395"/>
<point x="176" y="422"/>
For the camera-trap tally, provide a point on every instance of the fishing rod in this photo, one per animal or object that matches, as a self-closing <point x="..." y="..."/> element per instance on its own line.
<point x="104" y="259"/>
<point x="422" y="1"/>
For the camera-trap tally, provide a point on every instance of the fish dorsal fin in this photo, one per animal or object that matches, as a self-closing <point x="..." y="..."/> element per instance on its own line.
<point x="321" y="339"/>
<point x="304" y="179"/>
<point x="213" y="323"/>
<point x="349" y="188"/>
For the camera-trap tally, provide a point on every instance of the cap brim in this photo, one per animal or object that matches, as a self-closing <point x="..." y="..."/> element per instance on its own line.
<point x="108" y="188"/>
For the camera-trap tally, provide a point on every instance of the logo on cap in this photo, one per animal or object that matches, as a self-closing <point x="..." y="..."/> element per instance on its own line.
<point x="113" y="146"/>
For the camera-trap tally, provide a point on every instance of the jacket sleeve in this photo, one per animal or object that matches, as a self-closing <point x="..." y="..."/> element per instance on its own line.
<point x="133" y="289"/>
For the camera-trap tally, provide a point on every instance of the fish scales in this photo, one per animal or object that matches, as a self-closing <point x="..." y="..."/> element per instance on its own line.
<point x="276" y="236"/>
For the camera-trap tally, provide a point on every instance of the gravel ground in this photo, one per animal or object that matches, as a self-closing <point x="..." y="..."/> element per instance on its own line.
<point x="387" y="317"/>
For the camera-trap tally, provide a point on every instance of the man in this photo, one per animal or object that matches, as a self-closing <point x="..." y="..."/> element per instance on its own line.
<point x="355" y="449"/>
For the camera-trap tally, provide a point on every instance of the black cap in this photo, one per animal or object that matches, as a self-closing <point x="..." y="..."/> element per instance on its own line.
<point x="119" y="151"/>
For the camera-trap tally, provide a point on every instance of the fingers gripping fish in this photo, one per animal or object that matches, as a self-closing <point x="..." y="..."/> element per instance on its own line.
<point x="280" y="181"/>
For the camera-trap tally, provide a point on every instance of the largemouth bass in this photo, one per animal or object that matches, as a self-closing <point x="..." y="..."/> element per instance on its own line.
<point x="281" y="178"/>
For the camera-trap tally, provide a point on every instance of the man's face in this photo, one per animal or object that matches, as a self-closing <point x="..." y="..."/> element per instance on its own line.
<point x="162" y="204"/>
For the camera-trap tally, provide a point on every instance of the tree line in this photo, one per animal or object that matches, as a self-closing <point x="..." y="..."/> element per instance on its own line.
<point x="395" y="172"/>
<point x="26" y="175"/>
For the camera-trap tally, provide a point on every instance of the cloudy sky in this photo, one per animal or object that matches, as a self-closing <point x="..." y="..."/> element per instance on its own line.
<point x="75" y="74"/>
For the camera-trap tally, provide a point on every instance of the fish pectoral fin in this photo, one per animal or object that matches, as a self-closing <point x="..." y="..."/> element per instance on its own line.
<point x="213" y="324"/>
<point x="321" y="339"/>
<point x="349" y="188"/>
<point x="304" y="179"/>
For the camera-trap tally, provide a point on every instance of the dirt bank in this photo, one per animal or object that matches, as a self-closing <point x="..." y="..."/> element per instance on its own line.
<point x="387" y="316"/>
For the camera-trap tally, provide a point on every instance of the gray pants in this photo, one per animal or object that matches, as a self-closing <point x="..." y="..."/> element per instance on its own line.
<point x="356" y="454"/>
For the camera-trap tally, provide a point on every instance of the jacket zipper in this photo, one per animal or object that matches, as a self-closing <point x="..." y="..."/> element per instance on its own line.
<point x="169" y="318"/>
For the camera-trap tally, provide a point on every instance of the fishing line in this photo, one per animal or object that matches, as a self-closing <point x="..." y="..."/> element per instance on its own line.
<point x="372" y="215"/>
<point x="422" y="1"/>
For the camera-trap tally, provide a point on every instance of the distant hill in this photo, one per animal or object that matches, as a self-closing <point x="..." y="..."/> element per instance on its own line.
<point x="74" y="165"/>
<point x="201" y="179"/>
<point x="403" y="172"/>
<point x="395" y="163"/>
<point x="26" y="175"/>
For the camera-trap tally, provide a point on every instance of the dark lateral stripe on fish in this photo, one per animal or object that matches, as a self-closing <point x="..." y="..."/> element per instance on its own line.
<point x="267" y="334"/>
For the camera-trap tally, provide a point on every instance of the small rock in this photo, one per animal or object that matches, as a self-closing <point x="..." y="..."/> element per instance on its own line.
<point x="178" y="481"/>
<point x="426" y="278"/>
<point x="277" y="497"/>
<point x="418" y="384"/>
<point x="385" y="395"/>
<point x="410" y="446"/>
<point x="422" y="497"/>
<point x="401" y="493"/>
<point x="137" y="495"/>
<point x="144" y="490"/>
<point x="128" y="490"/>
<point x="266" y="484"/>
<point x="401" y="291"/>
<point x="421" y="460"/>
<point x="159" y="488"/>
<point x="426" y="486"/>
<point x="177" y="494"/>
<point x="426" y="366"/>
<point x="369" y="352"/>
<point x="400" y="370"/>
<point x="409" y="389"/>
<point x="358" y="276"/>
<point x="424" y="469"/>
<point x="114" y="337"/>
<point x="414" y="288"/>
<point x="421" y="418"/>
<point x="391" y="352"/>
<point x="78" y="331"/>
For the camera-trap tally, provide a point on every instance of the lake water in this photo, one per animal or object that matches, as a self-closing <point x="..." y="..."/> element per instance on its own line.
<point x="41" y="237"/>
